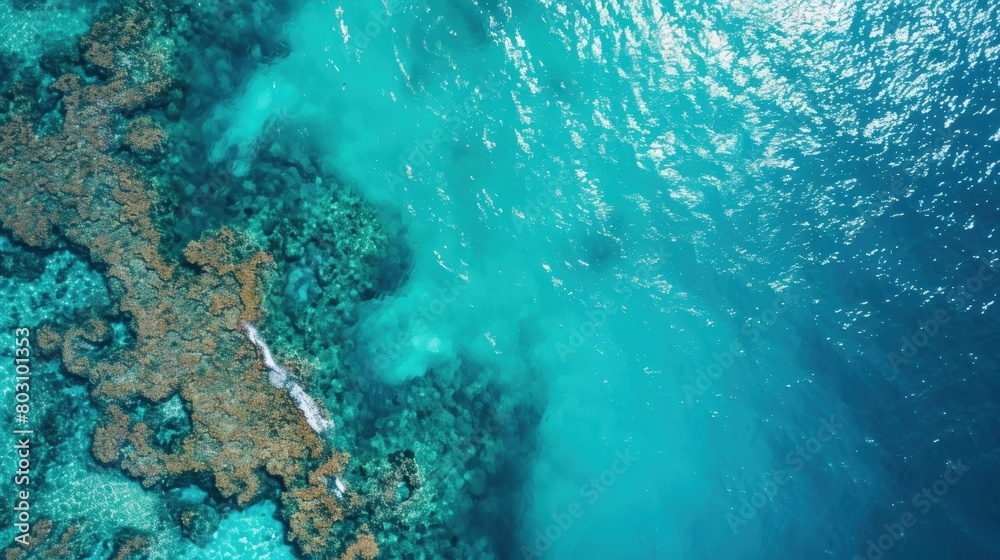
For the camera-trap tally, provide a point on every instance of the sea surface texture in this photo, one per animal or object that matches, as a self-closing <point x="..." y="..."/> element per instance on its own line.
<point x="503" y="279"/>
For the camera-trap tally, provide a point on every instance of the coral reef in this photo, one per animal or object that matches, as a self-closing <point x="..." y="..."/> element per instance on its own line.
<point x="281" y="379"/>
<point x="45" y="543"/>
<point x="144" y="135"/>
<point x="198" y="522"/>
<point x="363" y="547"/>
<point x="133" y="547"/>
<point x="108" y="164"/>
<point x="77" y="185"/>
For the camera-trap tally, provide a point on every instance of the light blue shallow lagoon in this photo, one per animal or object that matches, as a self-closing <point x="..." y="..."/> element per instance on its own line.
<point x="722" y="274"/>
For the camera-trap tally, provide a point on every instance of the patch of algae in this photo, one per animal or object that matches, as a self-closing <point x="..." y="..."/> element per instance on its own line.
<point x="77" y="185"/>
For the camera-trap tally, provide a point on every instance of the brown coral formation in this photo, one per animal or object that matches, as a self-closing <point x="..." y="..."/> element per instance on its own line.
<point x="76" y="184"/>
<point x="363" y="547"/>
<point x="314" y="509"/>
<point x="44" y="543"/>
<point x="144" y="135"/>
<point x="133" y="548"/>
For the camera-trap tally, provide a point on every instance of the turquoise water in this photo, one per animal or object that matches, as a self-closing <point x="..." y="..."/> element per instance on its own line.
<point x="623" y="190"/>
<point x="732" y="263"/>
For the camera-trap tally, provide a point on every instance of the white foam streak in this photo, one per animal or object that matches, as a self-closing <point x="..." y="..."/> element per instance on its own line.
<point x="280" y="379"/>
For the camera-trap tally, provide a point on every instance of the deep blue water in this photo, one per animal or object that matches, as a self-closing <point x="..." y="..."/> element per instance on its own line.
<point x="744" y="252"/>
